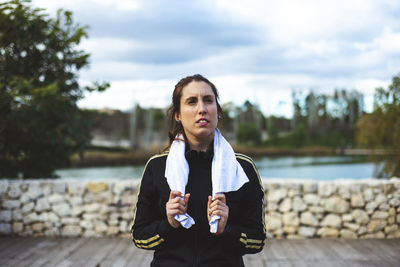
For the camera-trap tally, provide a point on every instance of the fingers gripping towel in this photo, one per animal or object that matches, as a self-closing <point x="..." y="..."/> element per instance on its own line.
<point x="226" y="173"/>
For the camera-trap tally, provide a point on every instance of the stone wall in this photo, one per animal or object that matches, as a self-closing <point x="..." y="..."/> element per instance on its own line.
<point x="333" y="209"/>
<point x="294" y="209"/>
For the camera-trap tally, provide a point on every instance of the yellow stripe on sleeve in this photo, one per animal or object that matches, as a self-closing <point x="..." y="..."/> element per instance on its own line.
<point x="245" y="241"/>
<point x="152" y="244"/>
<point x="145" y="241"/>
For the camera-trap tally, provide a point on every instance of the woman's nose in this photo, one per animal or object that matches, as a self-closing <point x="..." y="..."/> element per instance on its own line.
<point x="202" y="107"/>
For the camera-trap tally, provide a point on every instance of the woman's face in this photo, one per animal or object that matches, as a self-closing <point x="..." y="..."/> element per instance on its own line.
<point x="198" y="112"/>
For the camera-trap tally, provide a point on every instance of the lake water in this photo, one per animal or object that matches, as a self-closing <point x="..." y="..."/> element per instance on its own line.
<point x="317" y="168"/>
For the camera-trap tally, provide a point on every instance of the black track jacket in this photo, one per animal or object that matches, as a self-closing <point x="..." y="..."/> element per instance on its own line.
<point x="196" y="246"/>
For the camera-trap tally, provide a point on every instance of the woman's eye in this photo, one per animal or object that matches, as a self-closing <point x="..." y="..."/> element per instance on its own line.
<point x="192" y="101"/>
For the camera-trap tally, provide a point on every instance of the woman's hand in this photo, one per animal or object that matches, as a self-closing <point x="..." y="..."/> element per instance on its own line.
<point x="176" y="205"/>
<point x="218" y="207"/>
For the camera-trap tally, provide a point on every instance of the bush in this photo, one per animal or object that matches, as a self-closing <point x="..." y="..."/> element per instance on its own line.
<point x="248" y="134"/>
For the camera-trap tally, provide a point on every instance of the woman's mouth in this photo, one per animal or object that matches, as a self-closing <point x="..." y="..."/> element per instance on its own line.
<point x="202" y="122"/>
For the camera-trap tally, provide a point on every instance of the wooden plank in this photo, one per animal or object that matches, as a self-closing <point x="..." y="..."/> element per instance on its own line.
<point x="83" y="256"/>
<point x="137" y="257"/>
<point x="111" y="259"/>
<point x="316" y="250"/>
<point x="105" y="252"/>
<point x="254" y="260"/>
<point x="391" y="249"/>
<point x="40" y="252"/>
<point x="372" y="253"/>
<point x="14" y="253"/>
<point x="341" y="249"/>
<point x="64" y="249"/>
<point x="101" y="252"/>
<point x="9" y="243"/>
<point x="274" y="251"/>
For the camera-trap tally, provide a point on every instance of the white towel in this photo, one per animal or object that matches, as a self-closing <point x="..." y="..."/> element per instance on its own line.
<point x="226" y="173"/>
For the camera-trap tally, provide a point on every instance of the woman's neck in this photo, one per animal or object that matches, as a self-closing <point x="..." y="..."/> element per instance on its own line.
<point x="200" y="144"/>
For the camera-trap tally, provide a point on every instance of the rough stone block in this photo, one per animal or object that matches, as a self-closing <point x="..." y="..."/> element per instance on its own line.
<point x="5" y="228"/>
<point x="376" y="225"/>
<point x="42" y="204"/>
<point x="347" y="234"/>
<point x="305" y="231"/>
<point x="352" y="226"/>
<point x="308" y="218"/>
<point x="380" y="215"/>
<point x="11" y="204"/>
<point x="112" y="230"/>
<point x="368" y="194"/>
<point x="391" y="228"/>
<point x="360" y="216"/>
<point x="56" y="198"/>
<point x="62" y="209"/>
<point x="276" y="195"/>
<point x="286" y="205"/>
<point x="14" y="190"/>
<point x="332" y="220"/>
<point x="273" y="222"/>
<point x="37" y="227"/>
<point x="347" y="217"/>
<point x="3" y="187"/>
<point x="357" y="200"/>
<point x="5" y="216"/>
<point x="291" y="219"/>
<point x="71" y="230"/>
<point x="327" y="232"/>
<point x="326" y="189"/>
<point x="75" y="188"/>
<point x="59" y="187"/>
<point x="96" y="187"/>
<point x="336" y="204"/>
<point x="298" y="204"/>
<point x="17" y="227"/>
<point x="28" y="207"/>
<point x="30" y="218"/>
<point x="310" y="187"/>
<point x="100" y="226"/>
<point x="34" y="191"/>
<point x="312" y="199"/>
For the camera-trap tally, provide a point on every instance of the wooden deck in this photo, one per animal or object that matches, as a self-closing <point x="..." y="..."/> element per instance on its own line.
<point x="23" y="251"/>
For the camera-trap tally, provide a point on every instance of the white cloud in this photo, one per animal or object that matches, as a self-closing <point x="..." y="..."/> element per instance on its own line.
<point x="288" y="22"/>
<point x="124" y="94"/>
<point x="108" y="48"/>
<point x="298" y="45"/>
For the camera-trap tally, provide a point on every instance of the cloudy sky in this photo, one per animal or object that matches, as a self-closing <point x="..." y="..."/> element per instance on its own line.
<point x="259" y="50"/>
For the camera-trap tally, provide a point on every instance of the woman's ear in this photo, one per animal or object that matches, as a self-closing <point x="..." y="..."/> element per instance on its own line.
<point x="176" y="116"/>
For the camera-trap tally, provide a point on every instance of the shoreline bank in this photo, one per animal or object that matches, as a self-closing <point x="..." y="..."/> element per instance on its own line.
<point x="100" y="157"/>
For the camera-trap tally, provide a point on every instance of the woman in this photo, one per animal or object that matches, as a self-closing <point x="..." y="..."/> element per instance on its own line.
<point x="199" y="203"/>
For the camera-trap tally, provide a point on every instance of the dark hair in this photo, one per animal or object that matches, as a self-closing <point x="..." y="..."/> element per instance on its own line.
<point x="176" y="128"/>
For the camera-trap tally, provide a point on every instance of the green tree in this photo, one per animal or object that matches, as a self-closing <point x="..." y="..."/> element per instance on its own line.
<point x="40" y="123"/>
<point x="381" y="128"/>
<point x="248" y="133"/>
<point x="272" y="131"/>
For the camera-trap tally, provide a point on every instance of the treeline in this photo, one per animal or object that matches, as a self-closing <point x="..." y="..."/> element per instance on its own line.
<point x="318" y="120"/>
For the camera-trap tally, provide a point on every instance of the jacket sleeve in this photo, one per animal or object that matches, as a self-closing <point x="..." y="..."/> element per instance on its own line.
<point x="247" y="235"/>
<point x="150" y="228"/>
